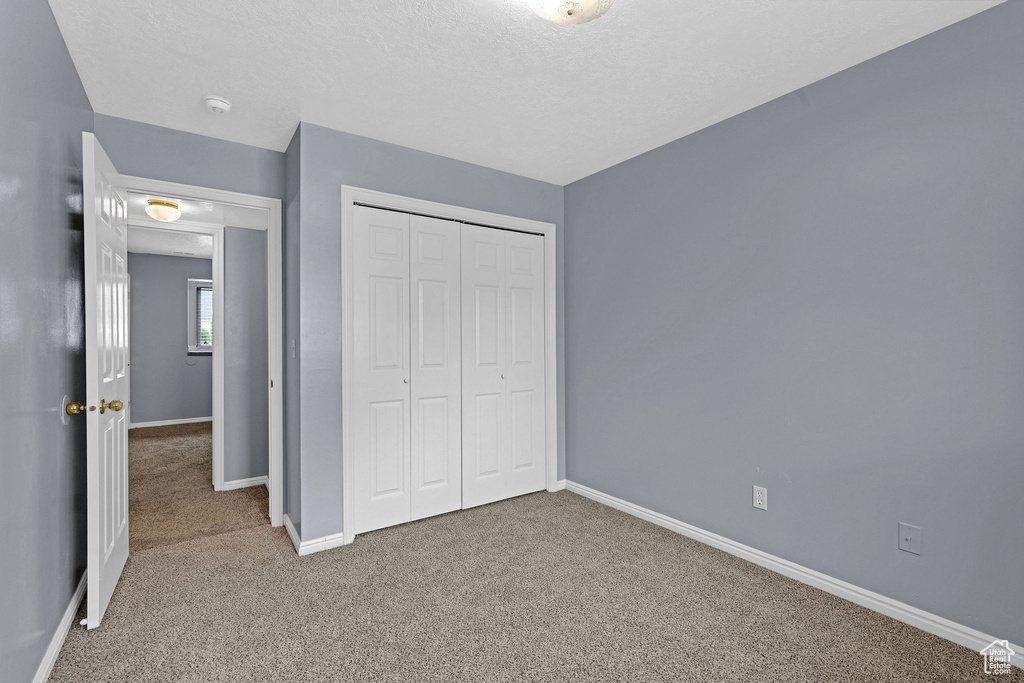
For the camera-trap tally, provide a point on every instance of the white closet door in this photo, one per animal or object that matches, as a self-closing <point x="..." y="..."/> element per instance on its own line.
<point x="503" y="365"/>
<point x="436" y="296"/>
<point x="484" y="455"/>
<point x="380" y="378"/>
<point x="524" y="373"/>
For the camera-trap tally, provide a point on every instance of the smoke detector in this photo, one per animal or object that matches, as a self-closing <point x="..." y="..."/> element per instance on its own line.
<point x="217" y="104"/>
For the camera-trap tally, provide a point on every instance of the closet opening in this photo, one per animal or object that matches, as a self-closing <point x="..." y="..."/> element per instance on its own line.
<point x="449" y="368"/>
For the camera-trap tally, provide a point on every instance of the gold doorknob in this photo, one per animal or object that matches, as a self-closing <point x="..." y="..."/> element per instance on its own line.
<point x="113" y="405"/>
<point x="75" y="408"/>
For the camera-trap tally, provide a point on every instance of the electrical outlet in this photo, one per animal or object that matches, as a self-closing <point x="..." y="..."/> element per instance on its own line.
<point x="910" y="538"/>
<point x="760" y="498"/>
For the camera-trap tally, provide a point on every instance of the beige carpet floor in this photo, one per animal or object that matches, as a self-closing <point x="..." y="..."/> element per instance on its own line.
<point x="547" y="587"/>
<point x="170" y="490"/>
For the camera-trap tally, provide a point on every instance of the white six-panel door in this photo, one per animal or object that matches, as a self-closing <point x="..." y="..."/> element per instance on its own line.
<point x="524" y="375"/>
<point x="106" y="376"/>
<point x="406" y="379"/>
<point x="484" y="470"/>
<point x="436" y="386"/>
<point x="380" y="242"/>
<point x="502" y="365"/>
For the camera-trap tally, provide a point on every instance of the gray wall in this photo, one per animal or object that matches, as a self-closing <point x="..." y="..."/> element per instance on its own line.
<point x="823" y="296"/>
<point x="167" y="382"/>
<point x="329" y="159"/>
<point x="146" y="151"/>
<point x="43" y="111"/>
<point x="246" y="374"/>
<point x="290" y="313"/>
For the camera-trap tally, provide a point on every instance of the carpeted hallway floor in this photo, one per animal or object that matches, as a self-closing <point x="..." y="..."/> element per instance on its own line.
<point x="170" y="491"/>
<point x="547" y="587"/>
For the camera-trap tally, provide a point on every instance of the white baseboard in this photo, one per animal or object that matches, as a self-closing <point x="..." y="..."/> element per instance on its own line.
<point x="558" y="486"/>
<point x="292" y="533"/>
<point x="57" y="642"/>
<point x="932" y="623"/>
<point x="314" y="545"/>
<point x="244" y="483"/>
<point x="167" y="423"/>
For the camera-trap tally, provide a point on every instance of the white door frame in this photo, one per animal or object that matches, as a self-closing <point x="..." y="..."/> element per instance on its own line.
<point x="275" y="385"/>
<point x="350" y="196"/>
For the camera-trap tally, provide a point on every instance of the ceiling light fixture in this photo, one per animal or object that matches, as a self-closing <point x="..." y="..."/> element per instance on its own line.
<point x="217" y="104"/>
<point x="163" y="210"/>
<point x="570" y="11"/>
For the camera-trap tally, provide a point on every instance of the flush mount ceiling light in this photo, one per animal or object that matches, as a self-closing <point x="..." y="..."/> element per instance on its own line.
<point x="163" y="210"/>
<point x="217" y="104"/>
<point x="570" y="11"/>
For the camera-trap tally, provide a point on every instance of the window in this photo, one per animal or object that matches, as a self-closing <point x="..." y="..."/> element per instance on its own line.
<point x="200" y="316"/>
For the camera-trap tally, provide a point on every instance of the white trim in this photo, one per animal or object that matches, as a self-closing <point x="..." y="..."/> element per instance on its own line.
<point x="61" y="634"/>
<point x="315" y="545"/>
<point x="292" y="533"/>
<point x="168" y="423"/>
<point x="559" y="486"/>
<point x="275" y="358"/>
<point x="244" y="483"/>
<point x="219" y="390"/>
<point x="349" y="196"/>
<point x="926" y="621"/>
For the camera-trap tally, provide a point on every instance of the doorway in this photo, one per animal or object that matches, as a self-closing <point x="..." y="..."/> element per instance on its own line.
<point x="172" y="291"/>
<point x="239" y="236"/>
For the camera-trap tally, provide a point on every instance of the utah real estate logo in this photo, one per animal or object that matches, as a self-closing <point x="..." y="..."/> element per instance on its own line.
<point x="997" y="657"/>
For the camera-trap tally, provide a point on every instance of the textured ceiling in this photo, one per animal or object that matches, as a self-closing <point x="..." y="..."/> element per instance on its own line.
<point x="169" y="243"/>
<point x="484" y="81"/>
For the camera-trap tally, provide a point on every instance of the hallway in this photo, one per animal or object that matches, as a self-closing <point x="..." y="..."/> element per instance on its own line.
<point x="170" y="497"/>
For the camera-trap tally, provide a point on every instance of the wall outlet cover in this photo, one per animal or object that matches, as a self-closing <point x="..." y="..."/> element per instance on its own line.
<point x="910" y="538"/>
<point x="760" y="498"/>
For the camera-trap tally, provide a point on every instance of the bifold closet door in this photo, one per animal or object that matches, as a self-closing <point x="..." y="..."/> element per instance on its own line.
<point x="406" y="380"/>
<point x="380" y="378"/>
<point x="503" y="408"/>
<point x="436" y="296"/>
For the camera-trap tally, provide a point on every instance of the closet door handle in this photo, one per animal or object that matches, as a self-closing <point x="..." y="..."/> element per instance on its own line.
<point x="406" y="380"/>
<point x="503" y="376"/>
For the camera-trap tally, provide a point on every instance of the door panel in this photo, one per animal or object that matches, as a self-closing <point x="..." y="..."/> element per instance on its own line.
<point x="488" y="335"/>
<point x="434" y="321"/>
<point x="487" y="431"/>
<point x="503" y="375"/>
<point x="436" y="387"/>
<point x="387" y="324"/>
<point x="433" y="442"/>
<point x="387" y="452"/>
<point x="380" y="376"/>
<point x="522" y="411"/>
<point x="522" y="320"/>
<point x="484" y="422"/>
<point x="525" y="375"/>
<point x="106" y="372"/>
